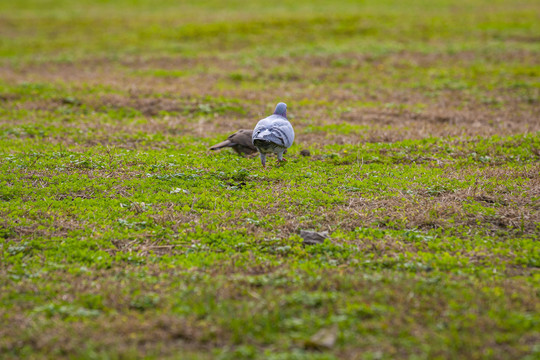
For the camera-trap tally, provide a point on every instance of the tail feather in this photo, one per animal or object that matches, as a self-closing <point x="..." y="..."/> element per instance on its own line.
<point x="222" y="145"/>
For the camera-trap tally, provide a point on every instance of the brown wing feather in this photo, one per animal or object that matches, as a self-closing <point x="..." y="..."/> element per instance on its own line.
<point x="243" y="137"/>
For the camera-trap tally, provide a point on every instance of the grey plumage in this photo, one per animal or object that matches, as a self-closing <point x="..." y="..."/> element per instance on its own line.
<point x="273" y="134"/>
<point x="240" y="141"/>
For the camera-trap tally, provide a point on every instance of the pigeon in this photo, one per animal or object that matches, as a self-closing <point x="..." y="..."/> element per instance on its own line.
<point x="273" y="134"/>
<point x="240" y="142"/>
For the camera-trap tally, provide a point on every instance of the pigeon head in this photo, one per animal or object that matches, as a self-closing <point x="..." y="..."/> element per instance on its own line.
<point x="281" y="109"/>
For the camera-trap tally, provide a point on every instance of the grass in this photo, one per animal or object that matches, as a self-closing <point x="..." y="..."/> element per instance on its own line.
<point x="123" y="237"/>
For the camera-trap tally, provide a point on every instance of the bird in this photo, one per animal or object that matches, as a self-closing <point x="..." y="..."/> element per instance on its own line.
<point x="273" y="134"/>
<point x="240" y="142"/>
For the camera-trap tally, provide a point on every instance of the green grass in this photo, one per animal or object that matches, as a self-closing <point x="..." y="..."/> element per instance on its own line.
<point x="122" y="236"/>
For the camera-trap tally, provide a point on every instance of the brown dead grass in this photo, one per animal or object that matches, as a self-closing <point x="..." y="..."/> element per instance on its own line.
<point x="171" y="116"/>
<point x="514" y="210"/>
<point x="170" y="104"/>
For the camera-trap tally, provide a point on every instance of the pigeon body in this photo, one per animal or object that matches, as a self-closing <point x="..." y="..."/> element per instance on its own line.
<point x="240" y="142"/>
<point x="273" y="134"/>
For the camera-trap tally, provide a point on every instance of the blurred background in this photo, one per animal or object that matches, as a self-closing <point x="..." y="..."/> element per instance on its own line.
<point x="51" y="28"/>
<point x="436" y="64"/>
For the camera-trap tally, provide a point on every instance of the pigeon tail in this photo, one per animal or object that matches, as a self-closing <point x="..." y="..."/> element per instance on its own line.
<point x="222" y="145"/>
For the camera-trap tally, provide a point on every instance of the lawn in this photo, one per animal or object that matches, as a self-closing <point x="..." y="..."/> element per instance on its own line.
<point x="122" y="236"/>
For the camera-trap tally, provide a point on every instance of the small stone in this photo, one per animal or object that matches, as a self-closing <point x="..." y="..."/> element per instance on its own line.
<point x="305" y="152"/>
<point x="323" y="339"/>
<point x="313" y="237"/>
<point x="70" y="101"/>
